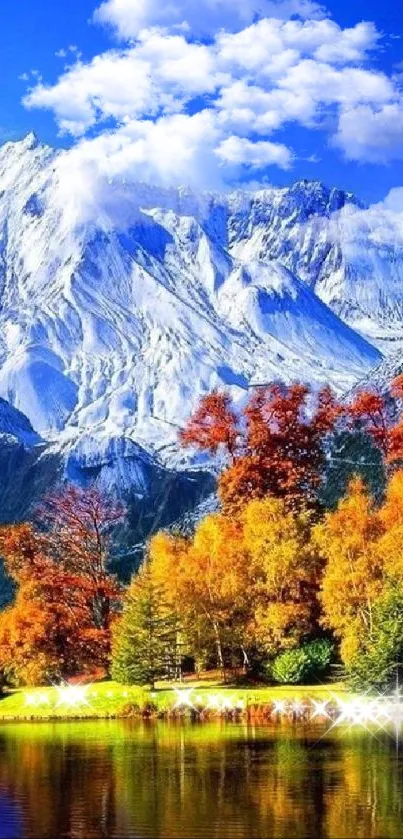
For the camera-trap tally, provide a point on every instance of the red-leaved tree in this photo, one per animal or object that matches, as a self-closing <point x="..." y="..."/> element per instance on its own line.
<point x="76" y="530"/>
<point x="276" y="445"/>
<point x="66" y="600"/>
<point x="370" y="410"/>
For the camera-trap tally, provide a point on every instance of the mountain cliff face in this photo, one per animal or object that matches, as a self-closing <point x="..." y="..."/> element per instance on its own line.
<point x="15" y="425"/>
<point x="118" y="311"/>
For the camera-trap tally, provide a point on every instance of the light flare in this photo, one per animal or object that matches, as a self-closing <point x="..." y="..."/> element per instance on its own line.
<point x="72" y="696"/>
<point x="183" y="699"/>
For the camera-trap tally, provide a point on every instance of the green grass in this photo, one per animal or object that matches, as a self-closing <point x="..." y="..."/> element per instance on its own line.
<point x="109" y="699"/>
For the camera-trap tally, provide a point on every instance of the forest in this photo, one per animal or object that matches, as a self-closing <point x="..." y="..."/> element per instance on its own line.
<point x="287" y="578"/>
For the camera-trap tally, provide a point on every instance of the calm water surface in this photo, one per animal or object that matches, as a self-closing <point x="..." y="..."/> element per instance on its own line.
<point x="124" y="779"/>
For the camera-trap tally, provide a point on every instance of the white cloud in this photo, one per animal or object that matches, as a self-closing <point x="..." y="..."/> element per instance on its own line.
<point x="380" y="226"/>
<point x="168" y="108"/>
<point x="348" y="45"/>
<point x="157" y="76"/>
<point x="176" y="148"/>
<point x="258" y="155"/>
<point x="112" y="85"/>
<point x="371" y="133"/>
<point x="202" y="17"/>
<point x="247" y="108"/>
<point x="303" y="95"/>
<point x="394" y="200"/>
<point x="172" y="60"/>
<point x="270" y="46"/>
<point x="326" y="84"/>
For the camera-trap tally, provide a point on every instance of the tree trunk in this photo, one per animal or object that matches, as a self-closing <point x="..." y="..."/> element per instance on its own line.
<point x="246" y="662"/>
<point x="220" y="656"/>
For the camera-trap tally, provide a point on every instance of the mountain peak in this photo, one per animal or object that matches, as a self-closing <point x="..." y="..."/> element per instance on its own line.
<point x="30" y="141"/>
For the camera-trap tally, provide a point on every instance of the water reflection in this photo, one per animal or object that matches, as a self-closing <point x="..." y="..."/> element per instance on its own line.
<point x="122" y="779"/>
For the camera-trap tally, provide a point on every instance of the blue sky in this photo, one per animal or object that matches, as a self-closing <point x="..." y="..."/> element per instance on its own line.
<point x="211" y="98"/>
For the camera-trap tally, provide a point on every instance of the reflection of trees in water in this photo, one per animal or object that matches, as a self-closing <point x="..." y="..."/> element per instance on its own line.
<point x="364" y="785"/>
<point x="165" y="780"/>
<point x="64" y="788"/>
<point x="286" y="786"/>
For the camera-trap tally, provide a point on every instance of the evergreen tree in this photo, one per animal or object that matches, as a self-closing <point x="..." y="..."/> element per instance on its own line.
<point x="144" y="646"/>
<point x="380" y="660"/>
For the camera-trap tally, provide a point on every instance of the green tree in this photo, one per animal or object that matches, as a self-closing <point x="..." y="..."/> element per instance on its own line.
<point x="144" y="646"/>
<point x="381" y="653"/>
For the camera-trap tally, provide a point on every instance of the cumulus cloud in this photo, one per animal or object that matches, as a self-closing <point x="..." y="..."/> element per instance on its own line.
<point x="257" y="155"/>
<point x="270" y="46"/>
<point x="175" y="149"/>
<point x="170" y="108"/>
<point x="159" y="75"/>
<point x="129" y="17"/>
<point x="372" y="239"/>
<point x="112" y="85"/>
<point x="372" y="133"/>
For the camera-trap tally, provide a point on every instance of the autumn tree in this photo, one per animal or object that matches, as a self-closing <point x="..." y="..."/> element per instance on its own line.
<point x="43" y="633"/>
<point x="214" y="424"/>
<point x="145" y="636"/>
<point x="285" y="572"/>
<point x="60" y="621"/>
<point x="363" y="580"/>
<point x="166" y="555"/>
<point x="76" y="529"/>
<point x="211" y="585"/>
<point x="354" y="575"/>
<point x="245" y="586"/>
<point x="375" y="413"/>
<point x="276" y="445"/>
<point x="390" y="545"/>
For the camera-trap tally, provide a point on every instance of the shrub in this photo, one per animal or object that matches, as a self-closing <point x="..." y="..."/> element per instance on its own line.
<point x="319" y="653"/>
<point x="303" y="663"/>
<point x="290" y="667"/>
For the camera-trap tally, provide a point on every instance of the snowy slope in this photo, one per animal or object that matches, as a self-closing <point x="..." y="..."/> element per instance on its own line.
<point x="350" y="256"/>
<point x="116" y="316"/>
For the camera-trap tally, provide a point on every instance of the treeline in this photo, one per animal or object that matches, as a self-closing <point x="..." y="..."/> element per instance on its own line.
<point x="271" y="585"/>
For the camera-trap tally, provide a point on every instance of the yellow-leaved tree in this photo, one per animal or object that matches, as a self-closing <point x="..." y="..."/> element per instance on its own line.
<point x="285" y="570"/>
<point x="244" y="586"/>
<point x="391" y="519"/>
<point x="208" y="579"/>
<point x="354" y="575"/>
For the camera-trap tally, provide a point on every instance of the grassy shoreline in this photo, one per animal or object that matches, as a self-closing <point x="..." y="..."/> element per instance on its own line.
<point x="109" y="700"/>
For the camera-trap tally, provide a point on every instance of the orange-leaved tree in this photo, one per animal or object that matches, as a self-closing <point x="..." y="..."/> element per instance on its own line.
<point x="42" y="632"/>
<point x="207" y="581"/>
<point x="60" y="622"/>
<point x="275" y="445"/>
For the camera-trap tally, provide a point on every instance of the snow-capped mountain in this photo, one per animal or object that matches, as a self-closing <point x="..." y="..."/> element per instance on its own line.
<point x="113" y="322"/>
<point x="121" y="305"/>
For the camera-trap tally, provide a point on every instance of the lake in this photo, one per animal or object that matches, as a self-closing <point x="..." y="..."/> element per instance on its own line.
<point x="179" y="780"/>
